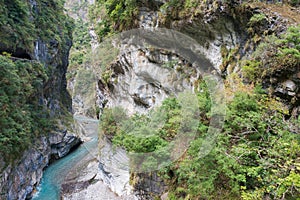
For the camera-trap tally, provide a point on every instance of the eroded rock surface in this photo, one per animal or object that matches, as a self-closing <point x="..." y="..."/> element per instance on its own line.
<point x="21" y="179"/>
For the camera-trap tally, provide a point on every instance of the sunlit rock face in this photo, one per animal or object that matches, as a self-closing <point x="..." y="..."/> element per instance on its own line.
<point x="141" y="80"/>
<point x="114" y="169"/>
<point x="141" y="77"/>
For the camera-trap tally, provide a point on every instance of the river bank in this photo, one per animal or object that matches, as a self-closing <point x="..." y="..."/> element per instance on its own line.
<point x="65" y="178"/>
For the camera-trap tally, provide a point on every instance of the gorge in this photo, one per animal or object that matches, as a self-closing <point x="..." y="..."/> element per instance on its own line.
<point x="219" y="80"/>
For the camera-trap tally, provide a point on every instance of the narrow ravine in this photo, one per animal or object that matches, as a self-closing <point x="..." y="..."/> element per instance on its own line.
<point x="55" y="174"/>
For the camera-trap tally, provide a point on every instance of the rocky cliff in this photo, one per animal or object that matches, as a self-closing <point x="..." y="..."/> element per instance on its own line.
<point x="38" y="32"/>
<point x="81" y="80"/>
<point x="226" y="35"/>
<point x="19" y="180"/>
<point x="141" y="77"/>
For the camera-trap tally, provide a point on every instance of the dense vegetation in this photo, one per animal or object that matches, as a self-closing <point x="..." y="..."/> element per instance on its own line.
<point x="257" y="154"/>
<point x="283" y="54"/>
<point x="21" y="24"/>
<point x="255" y="157"/>
<point x="110" y="16"/>
<point x="22" y="117"/>
<point x="80" y="51"/>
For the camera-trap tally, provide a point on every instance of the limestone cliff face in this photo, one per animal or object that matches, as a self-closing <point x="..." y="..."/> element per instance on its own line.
<point x="229" y="37"/>
<point x="140" y="79"/>
<point x="19" y="179"/>
<point x="55" y="58"/>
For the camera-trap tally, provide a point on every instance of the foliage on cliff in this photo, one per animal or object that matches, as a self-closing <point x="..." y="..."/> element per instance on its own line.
<point x="80" y="51"/>
<point x="24" y="115"/>
<point x="275" y="54"/>
<point x="146" y="133"/>
<point x="21" y="23"/>
<point x="111" y="16"/>
<point x="81" y="44"/>
<point x="255" y="157"/>
<point x="257" y="154"/>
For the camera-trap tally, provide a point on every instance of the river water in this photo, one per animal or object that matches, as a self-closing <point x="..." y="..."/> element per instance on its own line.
<point x="54" y="175"/>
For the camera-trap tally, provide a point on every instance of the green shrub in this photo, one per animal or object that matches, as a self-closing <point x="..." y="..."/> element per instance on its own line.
<point x="248" y="158"/>
<point x="110" y="121"/>
<point x="273" y="54"/>
<point x="114" y="15"/>
<point x="141" y="133"/>
<point x="252" y="70"/>
<point x="257" y="19"/>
